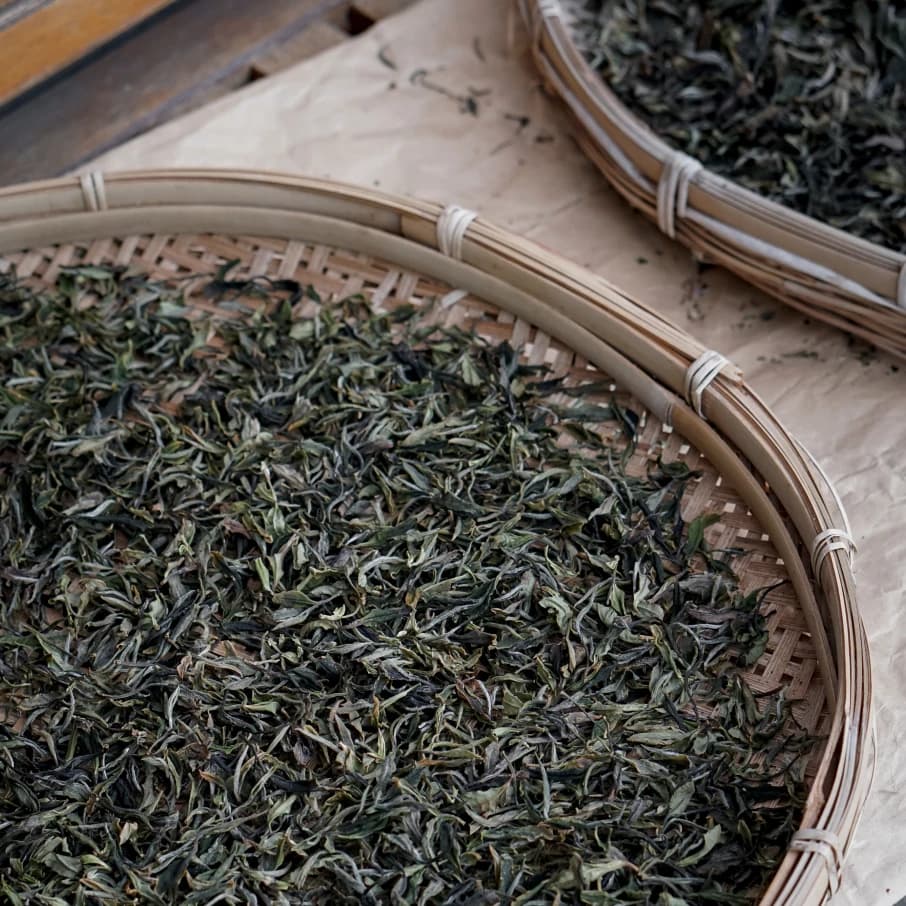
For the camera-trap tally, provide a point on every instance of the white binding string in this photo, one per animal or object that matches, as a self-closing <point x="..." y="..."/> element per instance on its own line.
<point x="451" y="230"/>
<point x="825" y="844"/>
<point x="827" y="542"/>
<point x="832" y="539"/>
<point x="699" y="375"/>
<point x="673" y="190"/>
<point x="901" y="287"/>
<point x="93" y="191"/>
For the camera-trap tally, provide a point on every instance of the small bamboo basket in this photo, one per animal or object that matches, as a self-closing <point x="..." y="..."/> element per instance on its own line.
<point x="854" y="284"/>
<point x="774" y="503"/>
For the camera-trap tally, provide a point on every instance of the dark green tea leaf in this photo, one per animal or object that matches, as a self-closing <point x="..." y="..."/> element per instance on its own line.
<point x="331" y="610"/>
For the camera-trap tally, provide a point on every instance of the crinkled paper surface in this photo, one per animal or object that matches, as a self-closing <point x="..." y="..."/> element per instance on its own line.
<point x="442" y="102"/>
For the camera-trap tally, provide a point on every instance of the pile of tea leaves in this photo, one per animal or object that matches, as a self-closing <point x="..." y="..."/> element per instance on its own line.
<point x="804" y="103"/>
<point x="322" y="609"/>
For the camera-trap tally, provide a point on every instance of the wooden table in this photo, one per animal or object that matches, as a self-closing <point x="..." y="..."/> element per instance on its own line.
<point x="82" y="76"/>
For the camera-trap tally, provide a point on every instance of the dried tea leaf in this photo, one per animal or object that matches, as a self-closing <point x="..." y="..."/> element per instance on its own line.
<point x="804" y="103"/>
<point x="339" y="617"/>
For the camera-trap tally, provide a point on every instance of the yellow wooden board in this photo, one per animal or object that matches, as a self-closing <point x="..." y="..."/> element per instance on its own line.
<point x="39" y="39"/>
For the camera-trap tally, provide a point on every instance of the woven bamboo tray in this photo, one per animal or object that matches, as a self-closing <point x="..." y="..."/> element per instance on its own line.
<point x="854" y="284"/>
<point x="773" y="501"/>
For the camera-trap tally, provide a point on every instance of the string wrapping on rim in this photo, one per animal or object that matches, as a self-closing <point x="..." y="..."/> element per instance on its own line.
<point x="901" y="287"/>
<point x="673" y="190"/>
<point x="825" y="844"/>
<point x="826" y="542"/>
<point x="699" y="376"/>
<point x="93" y="191"/>
<point x="831" y="539"/>
<point x="451" y="230"/>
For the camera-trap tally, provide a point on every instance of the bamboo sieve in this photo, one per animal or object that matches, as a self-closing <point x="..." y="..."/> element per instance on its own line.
<point x="854" y="284"/>
<point x="773" y="500"/>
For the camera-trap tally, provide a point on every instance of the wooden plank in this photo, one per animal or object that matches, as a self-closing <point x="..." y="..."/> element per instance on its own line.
<point x="313" y="40"/>
<point x="192" y="53"/>
<point x="42" y="41"/>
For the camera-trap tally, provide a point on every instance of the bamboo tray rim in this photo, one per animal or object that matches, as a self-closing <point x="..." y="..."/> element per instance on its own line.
<point x="642" y="351"/>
